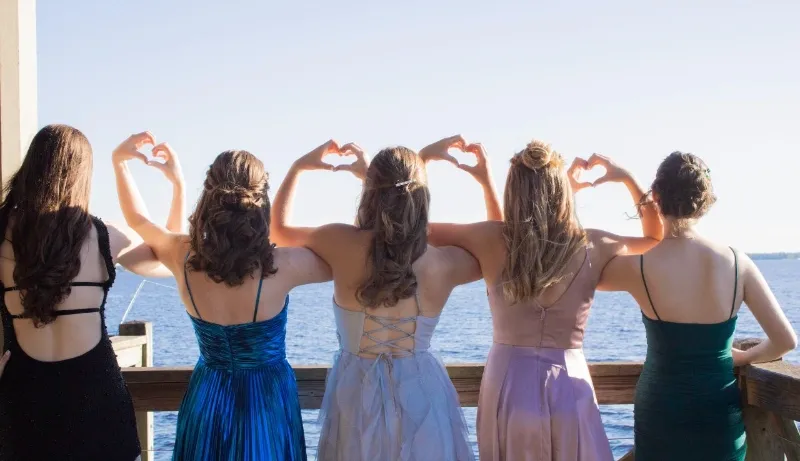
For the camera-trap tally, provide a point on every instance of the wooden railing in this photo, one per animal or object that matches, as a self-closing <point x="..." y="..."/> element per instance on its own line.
<point x="770" y="392"/>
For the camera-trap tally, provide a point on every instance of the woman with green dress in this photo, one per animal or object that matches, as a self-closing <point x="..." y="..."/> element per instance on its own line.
<point x="690" y="288"/>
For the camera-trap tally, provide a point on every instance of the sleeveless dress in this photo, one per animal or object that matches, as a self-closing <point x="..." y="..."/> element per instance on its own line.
<point x="242" y="401"/>
<point x="400" y="406"/>
<point x="537" y="401"/>
<point x="74" y="409"/>
<point x="687" y="403"/>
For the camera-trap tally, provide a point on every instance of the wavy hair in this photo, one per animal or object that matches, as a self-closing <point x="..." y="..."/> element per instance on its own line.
<point x="394" y="206"/>
<point x="540" y="229"/>
<point x="229" y="229"/>
<point x="46" y="217"/>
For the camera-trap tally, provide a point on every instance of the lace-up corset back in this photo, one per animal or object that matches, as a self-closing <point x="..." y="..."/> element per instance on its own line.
<point x="365" y="334"/>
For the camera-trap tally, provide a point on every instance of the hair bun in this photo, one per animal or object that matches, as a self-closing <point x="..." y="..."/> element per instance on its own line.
<point x="538" y="154"/>
<point x="233" y="196"/>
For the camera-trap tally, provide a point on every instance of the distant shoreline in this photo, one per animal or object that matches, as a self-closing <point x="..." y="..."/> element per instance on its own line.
<point x="768" y="256"/>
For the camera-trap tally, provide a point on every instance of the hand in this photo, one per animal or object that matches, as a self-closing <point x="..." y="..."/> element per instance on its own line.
<point x="359" y="167"/>
<point x="313" y="160"/>
<point x="4" y="361"/>
<point x="129" y="149"/>
<point x="480" y="171"/>
<point x="739" y="357"/>
<point x="614" y="173"/>
<point x="171" y="167"/>
<point x="438" y="150"/>
<point x="574" y="173"/>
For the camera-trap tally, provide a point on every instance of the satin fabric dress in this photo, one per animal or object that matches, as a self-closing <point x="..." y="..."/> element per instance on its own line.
<point x="537" y="401"/>
<point x="242" y="401"/>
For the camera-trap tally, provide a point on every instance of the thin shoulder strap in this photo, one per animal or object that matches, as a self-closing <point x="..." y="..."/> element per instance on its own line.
<point x="653" y="306"/>
<point x="188" y="288"/>
<point x="258" y="298"/>
<point x="735" y="280"/>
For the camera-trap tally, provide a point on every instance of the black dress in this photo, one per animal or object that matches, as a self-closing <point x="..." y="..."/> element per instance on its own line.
<point x="74" y="409"/>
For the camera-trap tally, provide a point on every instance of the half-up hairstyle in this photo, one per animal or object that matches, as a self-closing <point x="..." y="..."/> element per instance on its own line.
<point x="682" y="188"/>
<point x="541" y="231"/>
<point x="46" y="206"/>
<point x="229" y="229"/>
<point x="394" y="205"/>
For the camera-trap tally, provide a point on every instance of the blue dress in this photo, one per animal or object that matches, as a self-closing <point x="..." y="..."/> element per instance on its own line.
<point x="242" y="401"/>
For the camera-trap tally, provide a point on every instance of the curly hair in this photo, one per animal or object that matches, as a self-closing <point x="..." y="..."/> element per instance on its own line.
<point x="540" y="229"/>
<point x="682" y="188"/>
<point x="46" y="212"/>
<point x="394" y="205"/>
<point x="229" y="229"/>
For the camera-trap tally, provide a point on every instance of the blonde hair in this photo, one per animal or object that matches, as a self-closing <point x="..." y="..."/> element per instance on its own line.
<point x="540" y="229"/>
<point x="394" y="205"/>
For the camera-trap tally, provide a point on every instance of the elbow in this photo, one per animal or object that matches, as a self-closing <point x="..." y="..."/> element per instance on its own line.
<point x="791" y="344"/>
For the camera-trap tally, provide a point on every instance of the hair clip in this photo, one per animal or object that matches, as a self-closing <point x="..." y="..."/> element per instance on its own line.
<point x="708" y="173"/>
<point x="403" y="183"/>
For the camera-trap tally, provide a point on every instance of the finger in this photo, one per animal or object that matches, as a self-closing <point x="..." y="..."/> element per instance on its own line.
<point x="601" y="180"/>
<point x="449" y="158"/>
<point x="456" y="141"/>
<point x="578" y="162"/>
<point x="139" y="156"/>
<point x="162" y="150"/>
<point x="158" y="166"/>
<point x="353" y="148"/>
<point x="143" y="138"/>
<point x="350" y="167"/>
<point x="597" y="159"/>
<point x="331" y="147"/>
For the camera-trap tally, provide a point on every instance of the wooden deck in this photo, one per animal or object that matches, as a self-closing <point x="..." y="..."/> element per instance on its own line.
<point x="770" y="392"/>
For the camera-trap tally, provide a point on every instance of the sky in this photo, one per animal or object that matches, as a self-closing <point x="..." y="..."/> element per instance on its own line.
<point x="629" y="79"/>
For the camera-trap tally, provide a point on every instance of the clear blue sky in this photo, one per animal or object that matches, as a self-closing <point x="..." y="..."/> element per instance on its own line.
<point x="631" y="80"/>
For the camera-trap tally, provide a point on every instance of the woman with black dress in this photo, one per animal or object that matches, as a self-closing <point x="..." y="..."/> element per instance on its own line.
<point x="62" y="395"/>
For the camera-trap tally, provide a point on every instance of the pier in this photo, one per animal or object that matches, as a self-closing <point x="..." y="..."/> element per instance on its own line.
<point x="770" y="391"/>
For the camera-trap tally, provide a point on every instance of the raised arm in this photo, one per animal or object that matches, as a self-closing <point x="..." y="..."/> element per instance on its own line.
<point x="781" y="338"/>
<point x="281" y="232"/>
<point x="652" y="228"/>
<point x="163" y="242"/>
<point x="481" y="171"/>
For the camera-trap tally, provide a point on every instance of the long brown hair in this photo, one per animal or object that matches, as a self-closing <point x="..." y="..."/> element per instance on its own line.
<point x="541" y="231"/>
<point x="229" y="229"/>
<point x="46" y="206"/>
<point x="394" y="206"/>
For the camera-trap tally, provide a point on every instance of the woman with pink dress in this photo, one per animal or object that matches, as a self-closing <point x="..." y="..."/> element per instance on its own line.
<point x="541" y="269"/>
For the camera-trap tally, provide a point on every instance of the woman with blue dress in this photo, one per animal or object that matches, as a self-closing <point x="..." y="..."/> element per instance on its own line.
<point x="242" y="401"/>
<point x="387" y="397"/>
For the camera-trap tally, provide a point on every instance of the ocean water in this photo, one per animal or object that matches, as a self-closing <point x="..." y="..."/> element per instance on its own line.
<point x="615" y="332"/>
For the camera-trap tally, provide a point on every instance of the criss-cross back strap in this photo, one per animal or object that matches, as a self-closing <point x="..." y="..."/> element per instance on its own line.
<point x="393" y="325"/>
<point x="188" y="288"/>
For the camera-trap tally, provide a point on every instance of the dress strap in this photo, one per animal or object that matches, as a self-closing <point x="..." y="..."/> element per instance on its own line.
<point x="735" y="280"/>
<point x="641" y="267"/>
<point x="188" y="288"/>
<point x="258" y="298"/>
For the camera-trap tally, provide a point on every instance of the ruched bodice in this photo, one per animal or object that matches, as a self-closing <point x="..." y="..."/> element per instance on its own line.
<point x="560" y="325"/>
<point x="242" y="401"/>
<point x="247" y="345"/>
<point x="350" y="329"/>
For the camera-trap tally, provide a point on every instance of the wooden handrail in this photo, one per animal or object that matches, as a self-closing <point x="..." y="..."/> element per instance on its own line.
<point x="770" y="391"/>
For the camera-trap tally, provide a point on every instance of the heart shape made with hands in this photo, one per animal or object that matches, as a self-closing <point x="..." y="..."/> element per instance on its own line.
<point x="596" y="172"/>
<point x="340" y="158"/>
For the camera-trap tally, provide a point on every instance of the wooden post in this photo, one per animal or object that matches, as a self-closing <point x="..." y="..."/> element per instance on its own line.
<point x="144" y="419"/>
<point x="18" y="104"/>
<point x="629" y="456"/>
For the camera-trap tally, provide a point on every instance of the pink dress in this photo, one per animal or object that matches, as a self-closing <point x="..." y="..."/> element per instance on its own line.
<point x="537" y="402"/>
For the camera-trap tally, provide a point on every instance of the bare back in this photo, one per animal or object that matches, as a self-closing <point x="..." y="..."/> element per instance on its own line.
<point x="257" y="299"/>
<point x="689" y="281"/>
<point x="68" y="336"/>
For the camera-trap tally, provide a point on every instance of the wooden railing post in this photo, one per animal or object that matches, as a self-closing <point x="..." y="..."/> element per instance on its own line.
<point x="770" y="437"/>
<point x="144" y="419"/>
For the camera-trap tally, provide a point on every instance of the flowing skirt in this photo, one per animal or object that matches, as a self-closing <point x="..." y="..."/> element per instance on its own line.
<point x="538" y="404"/>
<point x="244" y="414"/>
<point x="391" y="409"/>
